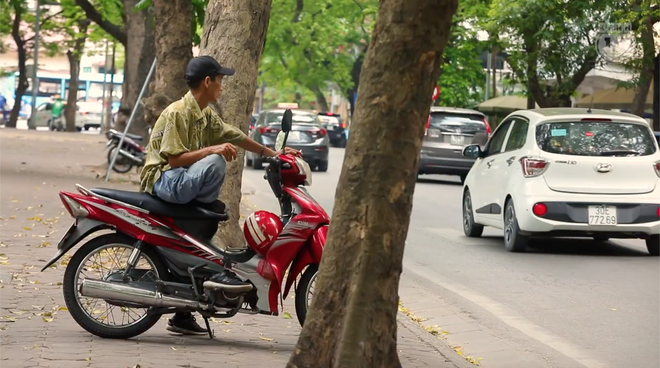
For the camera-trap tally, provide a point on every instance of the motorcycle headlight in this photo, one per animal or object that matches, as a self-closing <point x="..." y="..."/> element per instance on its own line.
<point x="304" y="168"/>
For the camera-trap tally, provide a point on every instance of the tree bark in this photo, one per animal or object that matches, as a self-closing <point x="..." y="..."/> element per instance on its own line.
<point x="22" y="61"/>
<point x="140" y="53"/>
<point x="352" y="321"/>
<point x="74" y="57"/>
<point x="321" y="102"/>
<point x="646" y="71"/>
<point x="173" y="52"/>
<point x="235" y="34"/>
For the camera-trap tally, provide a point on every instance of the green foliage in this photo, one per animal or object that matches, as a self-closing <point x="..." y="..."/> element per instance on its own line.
<point x="199" y="12"/>
<point x="557" y="37"/>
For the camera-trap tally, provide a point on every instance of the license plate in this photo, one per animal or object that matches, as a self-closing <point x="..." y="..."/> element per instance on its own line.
<point x="456" y="140"/>
<point x="602" y="215"/>
<point x="434" y="134"/>
<point x="294" y="135"/>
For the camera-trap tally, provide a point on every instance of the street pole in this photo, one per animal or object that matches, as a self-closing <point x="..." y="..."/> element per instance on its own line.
<point x="35" y="81"/>
<point x="261" y="96"/>
<point x="488" y="67"/>
<point x="656" y="94"/>
<point x="105" y="78"/>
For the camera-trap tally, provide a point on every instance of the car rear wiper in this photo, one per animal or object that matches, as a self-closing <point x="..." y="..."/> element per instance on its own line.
<point x="619" y="152"/>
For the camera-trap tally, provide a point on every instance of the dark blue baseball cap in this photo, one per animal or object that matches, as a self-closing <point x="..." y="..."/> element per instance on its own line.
<point x="205" y="66"/>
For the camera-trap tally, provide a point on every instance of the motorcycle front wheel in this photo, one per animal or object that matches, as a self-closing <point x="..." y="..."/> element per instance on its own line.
<point x="96" y="315"/>
<point x="305" y="291"/>
<point x="122" y="165"/>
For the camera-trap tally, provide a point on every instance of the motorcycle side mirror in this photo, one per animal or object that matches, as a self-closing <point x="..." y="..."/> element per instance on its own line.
<point x="286" y="121"/>
<point x="279" y="141"/>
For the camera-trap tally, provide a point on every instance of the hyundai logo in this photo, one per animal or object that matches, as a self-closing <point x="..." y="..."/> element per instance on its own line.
<point x="603" y="167"/>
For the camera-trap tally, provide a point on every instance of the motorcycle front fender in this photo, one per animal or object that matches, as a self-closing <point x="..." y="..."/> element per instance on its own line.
<point x="77" y="232"/>
<point x="311" y="254"/>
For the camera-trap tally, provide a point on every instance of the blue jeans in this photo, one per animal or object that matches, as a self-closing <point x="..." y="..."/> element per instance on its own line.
<point x="200" y="181"/>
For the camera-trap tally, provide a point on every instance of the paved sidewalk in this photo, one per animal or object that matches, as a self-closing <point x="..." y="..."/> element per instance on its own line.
<point x="37" y="331"/>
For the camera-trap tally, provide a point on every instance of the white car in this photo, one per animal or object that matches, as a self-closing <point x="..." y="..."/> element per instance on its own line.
<point x="84" y="119"/>
<point x="565" y="172"/>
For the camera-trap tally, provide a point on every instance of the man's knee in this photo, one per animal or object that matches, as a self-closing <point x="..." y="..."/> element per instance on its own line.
<point x="215" y="164"/>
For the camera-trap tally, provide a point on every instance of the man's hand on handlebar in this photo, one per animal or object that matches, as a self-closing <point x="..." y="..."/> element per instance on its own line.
<point x="291" y="151"/>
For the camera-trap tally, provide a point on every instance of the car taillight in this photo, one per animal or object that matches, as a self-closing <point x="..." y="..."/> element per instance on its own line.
<point x="488" y="130"/>
<point x="658" y="212"/>
<point x="533" y="166"/>
<point x="428" y="124"/>
<point x="540" y="209"/>
<point x="343" y="125"/>
<point x="265" y="130"/>
<point x="317" y="132"/>
<point x="656" y="166"/>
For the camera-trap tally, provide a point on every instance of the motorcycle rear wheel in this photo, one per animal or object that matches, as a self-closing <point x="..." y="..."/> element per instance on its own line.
<point x="71" y="293"/>
<point x="122" y="165"/>
<point x="303" y="290"/>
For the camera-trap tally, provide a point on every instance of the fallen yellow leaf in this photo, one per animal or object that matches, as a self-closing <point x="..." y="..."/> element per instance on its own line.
<point x="286" y="315"/>
<point x="173" y="348"/>
<point x="47" y="319"/>
<point x="265" y="338"/>
<point x="27" y="228"/>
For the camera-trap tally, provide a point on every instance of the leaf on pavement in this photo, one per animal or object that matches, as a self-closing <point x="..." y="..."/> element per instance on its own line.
<point x="47" y="319"/>
<point x="173" y="348"/>
<point x="88" y="359"/>
<point x="613" y="309"/>
<point x="286" y="315"/>
<point x="265" y="338"/>
<point x="27" y="228"/>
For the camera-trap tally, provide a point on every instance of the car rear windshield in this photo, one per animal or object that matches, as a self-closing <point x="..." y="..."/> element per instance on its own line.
<point x="595" y="138"/>
<point x="295" y="118"/>
<point x="448" y="122"/>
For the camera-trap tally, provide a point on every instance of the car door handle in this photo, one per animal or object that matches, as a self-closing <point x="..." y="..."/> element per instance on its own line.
<point x="510" y="160"/>
<point x="489" y="163"/>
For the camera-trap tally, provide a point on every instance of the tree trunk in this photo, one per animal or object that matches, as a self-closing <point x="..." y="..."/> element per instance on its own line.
<point x="22" y="60"/>
<point x="321" y="102"/>
<point x="646" y="71"/>
<point x="139" y="55"/>
<point x="74" y="57"/>
<point x="355" y="76"/>
<point x="372" y="208"/>
<point x="235" y="34"/>
<point x="173" y="52"/>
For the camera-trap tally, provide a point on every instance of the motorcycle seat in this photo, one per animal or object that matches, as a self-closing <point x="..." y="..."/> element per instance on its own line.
<point x="157" y="206"/>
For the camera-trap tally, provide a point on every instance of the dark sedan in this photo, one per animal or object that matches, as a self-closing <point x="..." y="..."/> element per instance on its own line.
<point x="336" y="128"/>
<point x="448" y="130"/>
<point x="307" y="135"/>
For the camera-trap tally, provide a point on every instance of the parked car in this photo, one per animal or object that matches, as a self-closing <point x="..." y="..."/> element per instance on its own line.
<point x="44" y="118"/>
<point x="307" y="135"/>
<point x="336" y="128"/>
<point x="92" y="113"/>
<point x="448" y="130"/>
<point x="560" y="172"/>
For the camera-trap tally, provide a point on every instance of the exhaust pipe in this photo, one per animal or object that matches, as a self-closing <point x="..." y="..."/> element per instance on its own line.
<point x="130" y="294"/>
<point x="131" y="157"/>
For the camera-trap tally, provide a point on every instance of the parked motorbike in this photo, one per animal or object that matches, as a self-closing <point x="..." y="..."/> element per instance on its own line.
<point x="171" y="257"/>
<point x="131" y="154"/>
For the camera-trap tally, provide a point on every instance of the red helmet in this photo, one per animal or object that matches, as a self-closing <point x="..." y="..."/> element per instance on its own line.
<point x="261" y="229"/>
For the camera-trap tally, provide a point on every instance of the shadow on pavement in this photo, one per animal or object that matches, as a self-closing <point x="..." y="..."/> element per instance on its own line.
<point x="569" y="247"/>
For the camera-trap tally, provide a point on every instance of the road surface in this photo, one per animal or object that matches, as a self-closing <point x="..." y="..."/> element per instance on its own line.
<point x="565" y="304"/>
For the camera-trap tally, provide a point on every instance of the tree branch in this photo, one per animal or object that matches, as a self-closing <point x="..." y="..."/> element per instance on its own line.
<point x="114" y="30"/>
<point x="296" y="14"/>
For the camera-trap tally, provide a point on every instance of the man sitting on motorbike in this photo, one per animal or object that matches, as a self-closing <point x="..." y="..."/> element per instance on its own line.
<point x="187" y="155"/>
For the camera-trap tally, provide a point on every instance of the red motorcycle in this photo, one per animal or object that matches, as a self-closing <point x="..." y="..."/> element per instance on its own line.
<point x="170" y="257"/>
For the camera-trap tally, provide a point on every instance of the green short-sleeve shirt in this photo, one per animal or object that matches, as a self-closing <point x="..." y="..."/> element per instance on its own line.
<point x="182" y="127"/>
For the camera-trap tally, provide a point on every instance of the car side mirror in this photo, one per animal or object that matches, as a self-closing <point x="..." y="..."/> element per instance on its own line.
<point x="286" y="121"/>
<point x="473" y="150"/>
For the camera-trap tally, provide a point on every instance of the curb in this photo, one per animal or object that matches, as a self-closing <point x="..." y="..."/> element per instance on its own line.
<point x="438" y="345"/>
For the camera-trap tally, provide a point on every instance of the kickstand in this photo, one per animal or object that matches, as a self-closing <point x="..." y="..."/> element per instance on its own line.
<point x="208" y="327"/>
